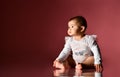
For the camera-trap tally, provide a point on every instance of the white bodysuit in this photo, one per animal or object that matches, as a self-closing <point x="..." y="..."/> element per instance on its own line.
<point x="81" y="49"/>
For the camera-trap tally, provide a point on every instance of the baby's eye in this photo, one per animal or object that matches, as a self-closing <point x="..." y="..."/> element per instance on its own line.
<point x="72" y="26"/>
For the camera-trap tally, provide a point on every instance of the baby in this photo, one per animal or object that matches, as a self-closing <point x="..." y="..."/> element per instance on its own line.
<point x="83" y="47"/>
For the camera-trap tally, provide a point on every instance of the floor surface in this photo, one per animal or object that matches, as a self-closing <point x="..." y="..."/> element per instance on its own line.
<point x="35" y="71"/>
<point x="25" y="70"/>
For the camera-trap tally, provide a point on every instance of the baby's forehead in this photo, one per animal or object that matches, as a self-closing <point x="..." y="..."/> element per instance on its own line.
<point x="73" y="22"/>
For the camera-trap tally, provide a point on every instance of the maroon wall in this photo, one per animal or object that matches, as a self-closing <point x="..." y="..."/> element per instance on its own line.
<point x="32" y="31"/>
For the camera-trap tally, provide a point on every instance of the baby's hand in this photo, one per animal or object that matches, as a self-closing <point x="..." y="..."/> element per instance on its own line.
<point x="55" y="63"/>
<point x="60" y="65"/>
<point x="98" y="67"/>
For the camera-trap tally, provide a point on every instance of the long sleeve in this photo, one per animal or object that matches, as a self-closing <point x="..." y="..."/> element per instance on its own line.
<point x="95" y="49"/>
<point x="65" y="52"/>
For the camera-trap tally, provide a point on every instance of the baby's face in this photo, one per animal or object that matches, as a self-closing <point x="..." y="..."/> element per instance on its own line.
<point x="73" y="28"/>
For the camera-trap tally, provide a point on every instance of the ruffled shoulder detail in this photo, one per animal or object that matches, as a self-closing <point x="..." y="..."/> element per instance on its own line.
<point x="68" y="38"/>
<point x="94" y="37"/>
<point x="91" y="37"/>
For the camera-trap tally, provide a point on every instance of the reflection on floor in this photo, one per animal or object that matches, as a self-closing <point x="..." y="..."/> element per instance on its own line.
<point x="76" y="73"/>
<point x="48" y="71"/>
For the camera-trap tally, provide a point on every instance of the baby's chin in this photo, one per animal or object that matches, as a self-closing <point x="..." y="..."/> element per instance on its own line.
<point x="69" y="34"/>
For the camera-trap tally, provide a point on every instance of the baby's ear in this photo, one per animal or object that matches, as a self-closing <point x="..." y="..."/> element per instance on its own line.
<point x="82" y="29"/>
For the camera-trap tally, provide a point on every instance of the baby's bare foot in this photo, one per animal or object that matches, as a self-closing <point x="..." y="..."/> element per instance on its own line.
<point x="78" y="66"/>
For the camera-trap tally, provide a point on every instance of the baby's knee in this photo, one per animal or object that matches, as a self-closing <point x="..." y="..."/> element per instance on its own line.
<point x="89" y="60"/>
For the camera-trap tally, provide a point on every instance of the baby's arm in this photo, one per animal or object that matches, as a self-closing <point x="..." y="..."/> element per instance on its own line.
<point x="64" y="53"/>
<point x="96" y="52"/>
<point x="97" y="58"/>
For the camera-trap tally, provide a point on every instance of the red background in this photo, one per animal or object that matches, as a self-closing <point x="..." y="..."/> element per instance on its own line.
<point x="32" y="31"/>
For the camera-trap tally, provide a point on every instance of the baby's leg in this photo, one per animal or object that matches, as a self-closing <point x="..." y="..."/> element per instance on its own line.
<point x="73" y="64"/>
<point x="89" y="61"/>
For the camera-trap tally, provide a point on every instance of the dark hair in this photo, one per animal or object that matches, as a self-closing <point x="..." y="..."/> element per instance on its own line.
<point x="81" y="20"/>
